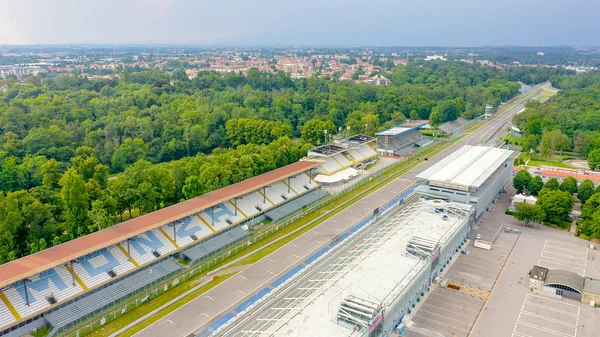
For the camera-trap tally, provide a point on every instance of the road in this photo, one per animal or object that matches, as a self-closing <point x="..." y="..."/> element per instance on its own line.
<point x="197" y="315"/>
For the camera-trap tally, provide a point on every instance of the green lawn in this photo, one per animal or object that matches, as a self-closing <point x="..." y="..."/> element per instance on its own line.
<point x="153" y="304"/>
<point x="555" y="161"/>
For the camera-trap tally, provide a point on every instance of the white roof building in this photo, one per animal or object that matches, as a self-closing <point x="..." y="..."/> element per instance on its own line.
<point x="467" y="168"/>
<point x="374" y="265"/>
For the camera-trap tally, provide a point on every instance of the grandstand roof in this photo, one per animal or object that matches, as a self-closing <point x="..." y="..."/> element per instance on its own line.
<point x="467" y="167"/>
<point x="33" y="264"/>
<point x="398" y="130"/>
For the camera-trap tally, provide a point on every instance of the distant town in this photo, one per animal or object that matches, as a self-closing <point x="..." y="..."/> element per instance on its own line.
<point x="358" y="65"/>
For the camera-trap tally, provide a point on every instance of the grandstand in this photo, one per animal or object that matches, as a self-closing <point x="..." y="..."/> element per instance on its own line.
<point x="362" y="286"/>
<point x="340" y="158"/>
<point x="400" y="140"/>
<point x="64" y="284"/>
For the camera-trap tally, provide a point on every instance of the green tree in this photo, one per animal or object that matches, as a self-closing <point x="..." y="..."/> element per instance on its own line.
<point x="556" y="205"/>
<point x="313" y="131"/>
<point x="521" y="180"/>
<point x="192" y="187"/>
<point x="51" y="173"/>
<point x="75" y="198"/>
<point x="414" y="115"/>
<point x="569" y="185"/>
<point x="529" y="213"/>
<point x="585" y="190"/>
<point x="552" y="184"/>
<point x="594" y="159"/>
<point x="535" y="185"/>
<point x="100" y="217"/>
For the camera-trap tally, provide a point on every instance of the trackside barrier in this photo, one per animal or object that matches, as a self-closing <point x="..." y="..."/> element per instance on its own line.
<point x="301" y="268"/>
<point x="252" y="299"/>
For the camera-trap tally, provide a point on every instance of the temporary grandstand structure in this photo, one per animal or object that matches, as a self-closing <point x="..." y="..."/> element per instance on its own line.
<point x="339" y="159"/>
<point x="344" y="290"/>
<point x="75" y="279"/>
<point x="400" y="140"/>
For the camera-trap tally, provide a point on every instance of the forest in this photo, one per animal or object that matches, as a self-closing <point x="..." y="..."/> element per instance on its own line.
<point x="569" y="122"/>
<point x="78" y="155"/>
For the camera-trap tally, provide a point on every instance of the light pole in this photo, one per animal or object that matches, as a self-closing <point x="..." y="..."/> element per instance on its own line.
<point x="348" y="128"/>
<point x="325" y="137"/>
<point x="367" y="129"/>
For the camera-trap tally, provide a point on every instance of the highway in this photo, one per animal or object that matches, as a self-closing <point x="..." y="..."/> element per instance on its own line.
<point x="200" y="313"/>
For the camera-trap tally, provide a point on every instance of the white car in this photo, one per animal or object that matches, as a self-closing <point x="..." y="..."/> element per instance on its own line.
<point x="478" y="237"/>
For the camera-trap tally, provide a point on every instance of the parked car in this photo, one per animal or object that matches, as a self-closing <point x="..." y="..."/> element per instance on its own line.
<point x="507" y="229"/>
<point x="514" y="230"/>
<point x="478" y="237"/>
<point x="465" y="252"/>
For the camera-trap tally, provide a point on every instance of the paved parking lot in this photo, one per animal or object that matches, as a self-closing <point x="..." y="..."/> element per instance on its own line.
<point x="566" y="256"/>
<point x="541" y="316"/>
<point x="452" y="312"/>
<point x="513" y="310"/>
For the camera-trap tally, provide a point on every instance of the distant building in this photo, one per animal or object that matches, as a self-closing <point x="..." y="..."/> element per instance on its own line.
<point x="378" y="80"/>
<point x="473" y="175"/>
<point x="489" y="110"/>
<point x="435" y="57"/>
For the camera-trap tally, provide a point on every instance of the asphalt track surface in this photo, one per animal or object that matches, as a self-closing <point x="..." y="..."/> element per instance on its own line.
<point x="197" y="315"/>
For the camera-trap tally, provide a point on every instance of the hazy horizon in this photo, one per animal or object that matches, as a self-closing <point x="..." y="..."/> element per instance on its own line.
<point x="310" y="23"/>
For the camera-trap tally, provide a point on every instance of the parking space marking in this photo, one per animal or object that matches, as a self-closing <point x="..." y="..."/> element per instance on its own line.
<point x="545" y="332"/>
<point x="533" y="296"/>
<point x="454" y="305"/>
<point x="562" y="262"/>
<point x="566" y="258"/>
<point x="566" y="313"/>
<point x="450" y="311"/>
<point x="563" y="244"/>
<point x="547" y="319"/>
<point x="459" y="299"/>
<point x="431" y="328"/>
<point x="437" y="322"/>
<point x="444" y="316"/>
<point x="556" y="265"/>
<point x="541" y="316"/>
<point x="477" y="267"/>
<point x="566" y="250"/>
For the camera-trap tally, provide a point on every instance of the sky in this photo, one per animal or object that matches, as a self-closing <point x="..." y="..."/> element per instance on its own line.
<point x="302" y="22"/>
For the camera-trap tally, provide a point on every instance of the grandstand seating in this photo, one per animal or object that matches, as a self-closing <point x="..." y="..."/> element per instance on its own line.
<point x="144" y="246"/>
<point x="278" y="193"/>
<point x="93" y="269"/>
<point x="342" y="160"/>
<point x="185" y="228"/>
<point x="299" y="182"/>
<point x="6" y="317"/>
<point x="106" y="296"/>
<point x="249" y="202"/>
<point x="55" y="284"/>
<point x="356" y="155"/>
<point x="366" y="151"/>
<point x="299" y="202"/>
<point x="330" y="165"/>
<point x="215" y="243"/>
<point x="224" y="214"/>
